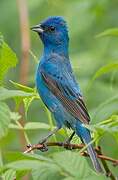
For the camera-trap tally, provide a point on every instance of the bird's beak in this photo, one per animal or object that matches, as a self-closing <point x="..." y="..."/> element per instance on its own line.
<point x="37" y="28"/>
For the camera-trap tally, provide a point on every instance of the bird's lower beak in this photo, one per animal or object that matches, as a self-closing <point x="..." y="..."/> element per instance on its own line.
<point x="37" y="28"/>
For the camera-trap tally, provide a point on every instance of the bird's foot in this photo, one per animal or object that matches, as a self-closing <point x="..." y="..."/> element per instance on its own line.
<point x="29" y="146"/>
<point x="44" y="147"/>
<point x="67" y="144"/>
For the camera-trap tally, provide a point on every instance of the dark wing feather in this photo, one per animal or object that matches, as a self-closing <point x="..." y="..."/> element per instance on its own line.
<point x="75" y="107"/>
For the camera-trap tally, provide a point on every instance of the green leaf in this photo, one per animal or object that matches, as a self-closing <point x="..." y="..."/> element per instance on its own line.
<point x="38" y="157"/>
<point x="30" y="126"/>
<point x="69" y="178"/>
<point x="15" y="116"/>
<point x="62" y="164"/>
<point x="103" y="105"/>
<point x="8" y="59"/>
<point x="20" y="174"/>
<point x="10" y="174"/>
<point x="24" y="165"/>
<point x="18" y="101"/>
<point x="22" y="87"/>
<point x="92" y="177"/>
<point x="13" y="156"/>
<point x="14" y="126"/>
<point x="4" y="119"/>
<point x="6" y="94"/>
<point x="109" y="32"/>
<point x="107" y="126"/>
<point x="74" y="165"/>
<point x="36" y="125"/>
<point x="47" y="171"/>
<point x="105" y="69"/>
<point x="95" y="177"/>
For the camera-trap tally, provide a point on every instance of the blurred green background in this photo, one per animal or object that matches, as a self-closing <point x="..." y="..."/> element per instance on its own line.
<point x="86" y="19"/>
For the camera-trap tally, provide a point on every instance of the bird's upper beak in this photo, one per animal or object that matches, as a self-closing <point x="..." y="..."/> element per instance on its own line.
<point x="37" y="28"/>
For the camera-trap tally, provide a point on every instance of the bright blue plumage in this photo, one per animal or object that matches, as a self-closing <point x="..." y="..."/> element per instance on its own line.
<point x="56" y="83"/>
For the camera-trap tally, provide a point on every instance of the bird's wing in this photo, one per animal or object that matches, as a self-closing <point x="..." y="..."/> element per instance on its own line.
<point x="66" y="91"/>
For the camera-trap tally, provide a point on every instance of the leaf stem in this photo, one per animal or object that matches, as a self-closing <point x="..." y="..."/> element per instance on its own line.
<point x="25" y="134"/>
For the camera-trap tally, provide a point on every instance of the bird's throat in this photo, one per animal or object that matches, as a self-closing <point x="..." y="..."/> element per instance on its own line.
<point x="59" y="49"/>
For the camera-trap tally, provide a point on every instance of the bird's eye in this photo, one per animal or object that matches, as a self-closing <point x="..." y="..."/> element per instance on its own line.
<point x="52" y="28"/>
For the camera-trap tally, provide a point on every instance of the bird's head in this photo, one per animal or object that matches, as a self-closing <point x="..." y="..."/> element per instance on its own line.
<point x="52" y="31"/>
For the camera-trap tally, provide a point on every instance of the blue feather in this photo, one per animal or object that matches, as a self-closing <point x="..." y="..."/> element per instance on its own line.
<point x="57" y="85"/>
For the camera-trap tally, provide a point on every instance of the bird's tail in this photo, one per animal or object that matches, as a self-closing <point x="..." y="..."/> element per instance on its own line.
<point x="85" y="136"/>
<point x="94" y="159"/>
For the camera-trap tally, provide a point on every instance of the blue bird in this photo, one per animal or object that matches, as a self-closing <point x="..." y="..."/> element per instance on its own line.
<point x="57" y="85"/>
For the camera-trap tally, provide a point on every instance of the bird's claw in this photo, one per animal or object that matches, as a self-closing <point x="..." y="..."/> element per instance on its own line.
<point x="29" y="146"/>
<point x="44" y="148"/>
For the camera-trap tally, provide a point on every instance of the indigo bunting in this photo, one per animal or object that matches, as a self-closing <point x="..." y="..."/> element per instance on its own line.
<point x="57" y="85"/>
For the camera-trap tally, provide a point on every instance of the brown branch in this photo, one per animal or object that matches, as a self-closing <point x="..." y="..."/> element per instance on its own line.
<point x="69" y="146"/>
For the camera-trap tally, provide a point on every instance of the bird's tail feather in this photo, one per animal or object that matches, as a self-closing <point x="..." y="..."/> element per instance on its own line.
<point x="94" y="159"/>
<point x="85" y="136"/>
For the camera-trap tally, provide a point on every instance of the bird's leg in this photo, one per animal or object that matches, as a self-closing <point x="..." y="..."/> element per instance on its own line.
<point x="49" y="135"/>
<point x="68" y="140"/>
<point x="43" y="141"/>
